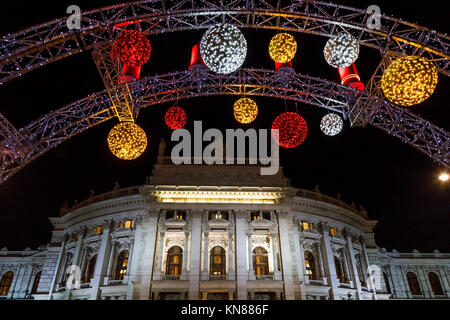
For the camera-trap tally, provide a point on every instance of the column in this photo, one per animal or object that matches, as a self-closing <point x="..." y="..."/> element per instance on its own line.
<point x="11" y="293"/>
<point x="160" y="257"/>
<point x="241" y="256"/>
<point x="424" y="283"/>
<point x="101" y="264"/>
<point x="194" y="268"/>
<point x="353" y="270"/>
<point x="205" y="256"/>
<point x="274" y="249"/>
<point x="185" y="255"/>
<point x="444" y="280"/>
<point x="328" y="260"/>
<point x="59" y="273"/>
<point x="299" y="256"/>
<point x="321" y="268"/>
<point x="231" y="260"/>
<point x="110" y="263"/>
<point x="408" y="292"/>
<point x="251" y="272"/>
<point x="133" y="257"/>
<point x="286" y="261"/>
<point x="150" y="227"/>
<point x="369" y="280"/>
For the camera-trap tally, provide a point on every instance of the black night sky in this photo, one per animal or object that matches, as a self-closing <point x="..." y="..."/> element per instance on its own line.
<point x="397" y="184"/>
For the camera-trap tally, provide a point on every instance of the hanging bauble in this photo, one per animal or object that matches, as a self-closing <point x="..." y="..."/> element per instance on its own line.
<point x="341" y="50"/>
<point x="409" y="80"/>
<point x="282" y="48"/>
<point x="132" y="47"/>
<point x="223" y="48"/>
<point x="331" y="124"/>
<point x="292" y="129"/>
<point x="175" y="118"/>
<point x="127" y="140"/>
<point x="245" y="110"/>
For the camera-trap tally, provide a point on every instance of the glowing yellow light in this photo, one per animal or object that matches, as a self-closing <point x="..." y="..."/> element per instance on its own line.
<point x="444" y="177"/>
<point x="245" y="110"/>
<point x="127" y="140"/>
<point x="409" y="80"/>
<point x="217" y="197"/>
<point x="282" y="48"/>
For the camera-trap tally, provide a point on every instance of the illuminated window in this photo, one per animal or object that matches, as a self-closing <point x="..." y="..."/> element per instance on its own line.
<point x="37" y="278"/>
<point x="90" y="270"/>
<point x="307" y="225"/>
<point x="413" y="283"/>
<point x="254" y="215"/>
<point x="174" y="261"/>
<point x="5" y="283"/>
<point x="129" y="224"/>
<point x="435" y="284"/>
<point x="122" y="265"/>
<point x="217" y="261"/>
<point x="181" y="215"/>
<point x="98" y="229"/>
<point x="75" y="236"/>
<point x="260" y="262"/>
<point x="218" y="215"/>
<point x="333" y="231"/>
<point x="310" y="267"/>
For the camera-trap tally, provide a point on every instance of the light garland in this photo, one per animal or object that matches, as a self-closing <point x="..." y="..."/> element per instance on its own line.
<point x="223" y="48"/>
<point x="127" y="141"/>
<point x="245" y="110"/>
<point x="132" y="48"/>
<point x="341" y="50"/>
<point x="175" y="118"/>
<point x="409" y="80"/>
<point x="282" y="48"/>
<point x="331" y="124"/>
<point x="292" y="130"/>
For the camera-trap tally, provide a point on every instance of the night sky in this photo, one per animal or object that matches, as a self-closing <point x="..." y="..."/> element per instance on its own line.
<point x="397" y="184"/>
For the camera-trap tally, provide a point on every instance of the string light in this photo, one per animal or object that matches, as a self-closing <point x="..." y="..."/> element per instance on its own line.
<point x="331" y="124"/>
<point x="341" y="50"/>
<point x="282" y="48"/>
<point x="175" y="118"/>
<point x="127" y="140"/>
<point x="223" y="48"/>
<point x="409" y="80"/>
<point x="132" y="48"/>
<point x="292" y="130"/>
<point x="245" y="110"/>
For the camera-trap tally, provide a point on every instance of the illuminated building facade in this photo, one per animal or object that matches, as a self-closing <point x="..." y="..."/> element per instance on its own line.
<point x="217" y="232"/>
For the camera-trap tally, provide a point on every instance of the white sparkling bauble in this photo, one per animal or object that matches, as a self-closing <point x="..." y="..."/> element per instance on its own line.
<point x="331" y="124"/>
<point x="341" y="50"/>
<point x="223" y="48"/>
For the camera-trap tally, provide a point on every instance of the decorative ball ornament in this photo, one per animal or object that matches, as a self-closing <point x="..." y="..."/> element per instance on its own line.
<point x="282" y="48"/>
<point x="409" y="80"/>
<point x="331" y="124"/>
<point x="133" y="48"/>
<point x="245" y="110"/>
<point x="175" y="118"/>
<point x="341" y="50"/>
<point x="292" y="130"/>
<point x="127" y="140"/>
<point x="223" y="48"/>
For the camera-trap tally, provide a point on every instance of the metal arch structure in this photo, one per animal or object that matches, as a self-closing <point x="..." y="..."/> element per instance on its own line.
<point x="40" y="45"/>
<point x="51" y="130"/>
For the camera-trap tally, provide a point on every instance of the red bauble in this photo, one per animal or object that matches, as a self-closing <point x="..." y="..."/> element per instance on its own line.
<point x="292" y="130"/>
<point x="132" y="48"/>
<point x="175" y="118"/>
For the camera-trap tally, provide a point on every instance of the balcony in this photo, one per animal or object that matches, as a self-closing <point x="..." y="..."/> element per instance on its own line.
<point x="170" y="277"/>
<point x="217" y="277"/>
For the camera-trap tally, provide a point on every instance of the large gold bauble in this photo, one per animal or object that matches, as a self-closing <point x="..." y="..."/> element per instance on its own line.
<point x="282" y="48"/>
<point x="127" y="140"/>
<point x="409" y="80"/>
<point x="245" y="110"/>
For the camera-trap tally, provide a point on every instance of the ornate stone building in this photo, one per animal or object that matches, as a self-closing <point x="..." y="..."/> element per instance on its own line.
<point x="217" y="232"/>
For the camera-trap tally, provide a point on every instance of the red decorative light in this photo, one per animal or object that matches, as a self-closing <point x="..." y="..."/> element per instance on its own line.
<point x="132" y="48"/>
<point x="292" y="130"/>
<point x="175" y="117"/>
<point x="349" y="77"/>
<point x="196" y="59"/>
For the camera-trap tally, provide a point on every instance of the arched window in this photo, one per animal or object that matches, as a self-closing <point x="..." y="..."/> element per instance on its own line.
<point x="122" y="265"/>
<point x="217" y="261"/>
<point x="37" y="277"/>
<point x="413" y="283"/>
<point x="260" y="262"/>
<point x="386" y="283"/>
<point x="174" y="261"/>
<point x="310" y="267"/>
<point x="339" y="273"/>
<point x="5" y="283"/>
<point x="435" y="284"/>
<point x="90" y="269"/>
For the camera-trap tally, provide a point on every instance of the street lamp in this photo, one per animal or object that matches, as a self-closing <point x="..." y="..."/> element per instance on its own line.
<point x="444" y="177"/>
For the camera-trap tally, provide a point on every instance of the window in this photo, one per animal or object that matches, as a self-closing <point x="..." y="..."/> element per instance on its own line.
<point x="339" y="273"/>
<point x="90" y="269"/>
<point x="359" y="267"/>
<point x="98" y="229"/>
<point x="386" y="283"/>
<point x="217" y="296"/>
<point x="310" y="267"/>
<point x="75" y="236"/>
<point x="265" y="296"/>
<point x="254" y="215"/>
<point x="66" y="271"/>
<point x="174" y="261"/>
<point x="435" y="284"/>
<point x="122" y="265"/>
<point x="218" y="215"/>
<point x="37" y="277"/>
<point x="413" y="283"/>
<point x="129" y="224"/>
<point x="333" y="231"/>
<point x="170" y="214"/>
<point x="217" y="261"/>
<point x="266" y="215"/>
<point x="5" y="283"/>
<point x="307" y="225"/>
<point x="260" y="262"/>
<point x="181" y="215"/>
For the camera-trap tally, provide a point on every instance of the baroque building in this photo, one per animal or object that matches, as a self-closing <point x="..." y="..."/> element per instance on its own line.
<point x="217" y="232"/>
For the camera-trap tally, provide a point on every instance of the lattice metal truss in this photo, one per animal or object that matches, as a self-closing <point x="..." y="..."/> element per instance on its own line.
<point x="53" y="129"/>
<point x="110" y="70"/>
